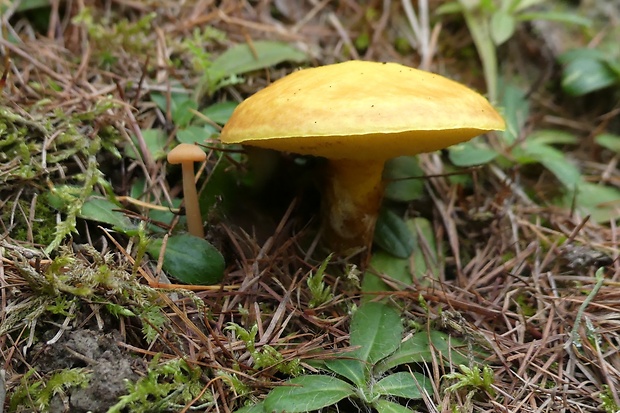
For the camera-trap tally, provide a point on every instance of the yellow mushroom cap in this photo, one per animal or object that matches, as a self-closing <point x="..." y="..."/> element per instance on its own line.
<point x="185" y="152"/>
<point x="361" y="110"/>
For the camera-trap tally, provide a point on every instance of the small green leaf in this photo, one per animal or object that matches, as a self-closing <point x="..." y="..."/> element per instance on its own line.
<point x="383" y="263"/>
<point x="471" y="153"/>
<point x="403" y="176"/>
<point x="220" y="112"/>
<point x="609" y="141"/>
<point x="403" y="384"/>
<point x="417" y="349"/>
<point x="561" y="17"/>
<point x="155" y="141"/>
<point x="385" y="406"/>
<point x="552" y="137"/>
<point x="502" y="26"/>
<point x="255" y="408"/>
<point x="393" y="235"/>
<point x="555" y="161"/>
<point x="307" y="393"/>
<point x="180" y="105"/>
<point x="377" y="329"/>
<point x="516" y="112"/>
<point x="585" y="71"/>
<point x="399" y="269"/>
<point x="262" y="54"/>
<point x="190" y="259"/>
<point x="599" y="201"/>
<point x="102" y="210"/>
<point x="196" y="134"/>
<point x="349" y="368"/>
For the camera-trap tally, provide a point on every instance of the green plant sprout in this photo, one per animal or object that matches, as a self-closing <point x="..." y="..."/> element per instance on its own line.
<point x="472" y="379"/>
<point x="267" y="356"/>
<point x="34" y="391"/>
<point x="366" y="372"/>
<point x="167" y="386"/>
<point x="321" y="293"/>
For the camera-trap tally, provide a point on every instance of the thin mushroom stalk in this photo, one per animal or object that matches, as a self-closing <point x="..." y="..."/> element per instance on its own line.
<point x="192" y="206"/>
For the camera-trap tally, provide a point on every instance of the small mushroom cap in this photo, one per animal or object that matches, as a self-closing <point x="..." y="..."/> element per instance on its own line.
<point x="185" y="152"/>
<point x="361" y="110"/>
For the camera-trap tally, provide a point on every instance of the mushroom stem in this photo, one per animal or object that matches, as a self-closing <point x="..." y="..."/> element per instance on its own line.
<point x="192" y="208"/>
<point x="352" y="199"/>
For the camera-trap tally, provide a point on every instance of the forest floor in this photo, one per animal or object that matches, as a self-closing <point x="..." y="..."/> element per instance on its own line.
<point x="511" y="277"/>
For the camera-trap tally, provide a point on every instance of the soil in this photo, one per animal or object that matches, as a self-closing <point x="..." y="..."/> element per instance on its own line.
<point x="109" y="365"/>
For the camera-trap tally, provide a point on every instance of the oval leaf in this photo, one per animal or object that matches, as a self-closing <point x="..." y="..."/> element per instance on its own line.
<point x="307" y="393"/>
<point x="403" y="384"/>
<point x="403" y="175"/>
<point x="376" y="327"/>
<point x="190" y="259"/>
<point x="471" y="153"/>
<point x="220" y="112"/>
<point x="242" y="58"/>
<point x="386" y="406"/>
<point x="582" y="76"/>
<point x="502" y="26"/>
<point x="103" y="210"/>
<point x="417" y="349"/>
<point x="393" y="235"/>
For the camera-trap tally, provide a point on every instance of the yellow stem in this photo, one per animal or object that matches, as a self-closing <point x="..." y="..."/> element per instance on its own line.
<point x="352" y="198"/>
<point x="192" y="208"/>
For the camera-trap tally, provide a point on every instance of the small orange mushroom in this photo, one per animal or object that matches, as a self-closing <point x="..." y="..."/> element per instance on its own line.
<point x="186" y="154"/>
<point x="358" y="115"/>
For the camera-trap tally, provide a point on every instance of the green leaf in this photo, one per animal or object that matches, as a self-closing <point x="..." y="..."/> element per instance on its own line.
<point x="552" y="159"/>
<point x="375" y="332"/>
<point x="307" y="393"/>
<point x="190" y="259"/>
<point x="102" y="210"/>
<point x="349" y="368"/>
<point x="551" y="137"/>
<point x="599" y="201"/>
<point x="585" y="71"/>
<point x="417" y="349"/>
<point x="471" y="153"/>
<point x="502" y="26"/>
<point x="180" y="105"/>
<point x="385" y="406"/>
<point x="255" y="408"/>
<point x="155" y="141"/>
<point x="220" y="112"/>
<point x="609" y="141"/>
<point x="383" y="263"/>
<point x="262" y="54"/>
<point x="377" y="329"/>
<point x="393" y="235"/>
<point x="403" y="384"/>
<point x="196" y="134"/>
<point x="403" y="175"/>
<point x="561" y="17"/>
<point x="516" y="112"/>
<point x="399" y="269"/>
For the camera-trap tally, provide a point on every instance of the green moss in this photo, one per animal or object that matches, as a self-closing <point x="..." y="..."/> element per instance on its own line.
<point x="36" y="392"/>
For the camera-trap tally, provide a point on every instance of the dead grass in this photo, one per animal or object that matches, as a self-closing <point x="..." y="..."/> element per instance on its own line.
<point x="516" y="274"/>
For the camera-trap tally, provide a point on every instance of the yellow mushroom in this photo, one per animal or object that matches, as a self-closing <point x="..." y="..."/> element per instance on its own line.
<point x="186" y="154"/>
<point x="358" y="115"/>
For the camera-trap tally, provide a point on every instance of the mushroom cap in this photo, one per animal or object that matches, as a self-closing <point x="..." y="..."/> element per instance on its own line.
<point x="185" y="152"/>
<point x="361" y="110"/>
